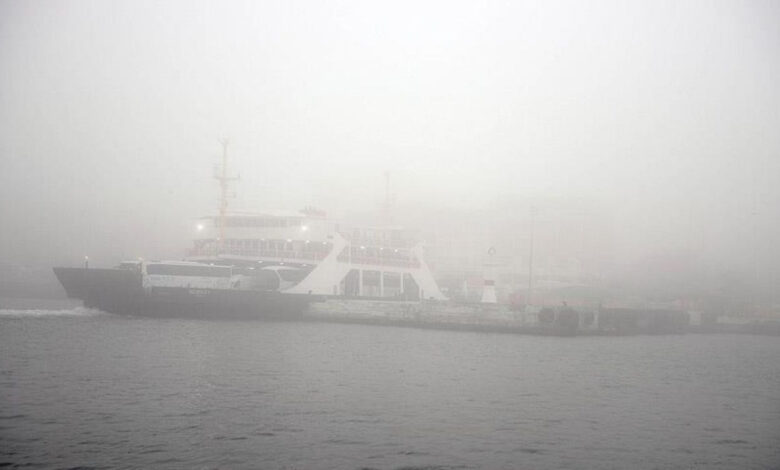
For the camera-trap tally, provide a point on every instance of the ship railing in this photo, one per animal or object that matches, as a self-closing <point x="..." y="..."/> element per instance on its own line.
<point x="278" y="254"/>
<point x="401" y="263"/>
<point x="379" y="242"/>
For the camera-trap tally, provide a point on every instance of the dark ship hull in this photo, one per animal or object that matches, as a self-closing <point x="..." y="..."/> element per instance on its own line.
<point x="121" y="291"/>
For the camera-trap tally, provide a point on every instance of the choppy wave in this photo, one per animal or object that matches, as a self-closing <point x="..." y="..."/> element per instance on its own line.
<point x="73" y="312"/>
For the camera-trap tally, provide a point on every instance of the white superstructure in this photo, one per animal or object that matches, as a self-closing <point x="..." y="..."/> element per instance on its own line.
<point x="318" y="255"/>
<point x="311" y="254"/>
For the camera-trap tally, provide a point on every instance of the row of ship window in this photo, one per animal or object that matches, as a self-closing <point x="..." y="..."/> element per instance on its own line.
<point x="235" y="222"/>
<point x="255" y="244"/>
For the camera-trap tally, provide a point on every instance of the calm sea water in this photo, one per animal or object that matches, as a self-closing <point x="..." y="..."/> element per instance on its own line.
<point x="79" y="388"/>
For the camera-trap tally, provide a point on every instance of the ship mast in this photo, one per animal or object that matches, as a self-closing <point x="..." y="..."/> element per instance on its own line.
<point x="221" y="175"/>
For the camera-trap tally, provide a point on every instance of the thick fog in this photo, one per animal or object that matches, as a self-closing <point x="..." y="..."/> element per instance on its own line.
<point x="661" y="118"/>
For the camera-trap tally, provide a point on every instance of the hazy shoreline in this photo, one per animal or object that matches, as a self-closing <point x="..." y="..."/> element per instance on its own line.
<point x="757" y="327"/>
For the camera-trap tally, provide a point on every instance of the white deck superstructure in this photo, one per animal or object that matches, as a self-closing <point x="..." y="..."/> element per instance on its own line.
<point x="311" y="254"/>
<point x="333" y="258"/>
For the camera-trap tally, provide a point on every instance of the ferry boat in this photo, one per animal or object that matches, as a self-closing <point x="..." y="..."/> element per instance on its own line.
<point x="264" y="265"/>
<point x="267" y="264"/>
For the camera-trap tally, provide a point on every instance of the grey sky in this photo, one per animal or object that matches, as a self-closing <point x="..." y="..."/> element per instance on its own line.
<point x="666" y="113"/>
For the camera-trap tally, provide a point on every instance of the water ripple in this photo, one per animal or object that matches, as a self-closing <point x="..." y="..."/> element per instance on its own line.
<point x="138" y="393"/>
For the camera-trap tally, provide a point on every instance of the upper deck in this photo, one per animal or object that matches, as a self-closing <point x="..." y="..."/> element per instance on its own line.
<point x="303" y="238"/>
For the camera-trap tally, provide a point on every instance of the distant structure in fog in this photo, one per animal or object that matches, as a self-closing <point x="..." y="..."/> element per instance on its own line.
<point x="221" y="175"/>
<point x="571" y="247"/>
